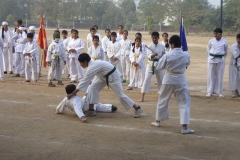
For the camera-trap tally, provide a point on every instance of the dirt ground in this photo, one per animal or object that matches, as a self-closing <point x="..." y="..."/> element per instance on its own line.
<point x="30" y="129"/>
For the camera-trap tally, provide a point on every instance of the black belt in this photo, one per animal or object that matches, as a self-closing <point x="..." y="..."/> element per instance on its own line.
<point x="107" y="76"/>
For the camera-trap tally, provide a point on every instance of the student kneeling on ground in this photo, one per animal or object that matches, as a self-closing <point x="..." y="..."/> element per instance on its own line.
<point x="79" y="106"/>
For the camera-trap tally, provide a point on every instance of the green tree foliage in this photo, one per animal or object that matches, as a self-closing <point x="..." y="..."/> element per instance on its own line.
<point x="149" y="24"/>
<point x="198" y="14"/>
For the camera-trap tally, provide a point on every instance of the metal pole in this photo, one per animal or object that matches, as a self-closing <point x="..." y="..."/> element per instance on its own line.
<point x="221" y="15"/>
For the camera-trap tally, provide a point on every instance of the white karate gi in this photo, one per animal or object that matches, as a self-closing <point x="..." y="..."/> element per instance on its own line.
<point x="119" y="37"/>
<point x="113" y="49"/>
<point x="137" y="74"/>
<point x="105" y="42"/>
<point x="35" y="38"/>
<point x="100" y="69"/>
<point x="174" y="81"/>
<point x="125" y="61"/>
<point x="31" y="61"/>
<point x="234" y="68"/>
<point x="76" y="71"/>
<point x="1" y="58"/>
<point x="96" y="53"/>
<point x="216" y="66"/>
<point x="89" y="42"/>
<point x="66" y="69"/>
<point x="160" y="50"/>
<point x="96" y="34"/>
<point x="56" y="55"/>
<point x="7" y="50"/>
<point x="20" y="40"/>
<point x="169" y="49"/>
<point x="75" y="104"/>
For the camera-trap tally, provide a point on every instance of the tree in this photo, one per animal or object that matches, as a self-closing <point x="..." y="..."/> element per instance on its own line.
<point x="128" y="10"/>
<point x="152" y="8"/>
<point x="232" y="14"/>
<point x="150" y="24"/>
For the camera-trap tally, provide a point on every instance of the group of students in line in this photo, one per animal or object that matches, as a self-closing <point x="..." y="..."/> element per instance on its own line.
<point x="19" y="50"/>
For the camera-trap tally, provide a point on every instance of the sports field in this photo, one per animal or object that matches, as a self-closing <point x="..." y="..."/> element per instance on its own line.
<point x="30" y="129"/>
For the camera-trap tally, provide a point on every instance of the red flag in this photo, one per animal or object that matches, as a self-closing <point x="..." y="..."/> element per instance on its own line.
<point x="42" y="40"/>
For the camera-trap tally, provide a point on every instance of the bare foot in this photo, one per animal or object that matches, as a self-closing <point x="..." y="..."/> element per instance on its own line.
<point x="141" y="100"/>
<point x="84" y="119"/>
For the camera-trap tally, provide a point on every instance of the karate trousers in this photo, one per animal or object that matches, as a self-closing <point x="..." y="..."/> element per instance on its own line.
<point x="125" y="64"/>
<point x="66" y="69"/>
<point x="1" y="65"/>
<point x="115" y="84"/>
<point x="19" y="63"/>
<point x="56" y="67"/>
<point x="148" y="77"/>
<point x="183" y="99"/>
<point x="76" y="71"/>
<point x="215" y="77"/>
<point x="31" y="69"/>
<point x="7" y="59"/>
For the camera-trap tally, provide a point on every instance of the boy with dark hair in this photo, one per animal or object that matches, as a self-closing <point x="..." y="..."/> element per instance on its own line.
<point x="79" y="106"/>
<point x="105" y="42"/>
<point x="155" y="51"/>
<point x="174" y="81"/>
<point x="125" y="51"/>
<point x="113" y="51"/>
<point x="90" y="39"/>
<point x="20" y="38"/>
<point x="30" y="53"/>
<point x="97" y="34"/>
<point x="75" y="48"/>
<point x="105" y="75"/>
<point x="96" y="51"/>
<point x="66" y="40"/>
<point x="120" y="33"/>
<point x="216" y="53"/>
<point x="234" y="68"/>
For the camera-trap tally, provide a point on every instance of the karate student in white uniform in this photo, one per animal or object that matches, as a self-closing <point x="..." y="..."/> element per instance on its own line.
<point x="105" y="75"/>
<point x="97" y="34"/>
<point x="175" y="63"/>
<point x="20" y="38"/>
<point x="234" y="68"/>
<point x="75" y="48"/>
<point x="216" y="54"/>
<point x="125" y="51"/>
<point x="1" y="59"/>
<point x="120" y="33"/>
<point x="18" y="24"/>
<point x="30" y="54"/>
<point x="8" y="49"/>
<point x="165" y="42"/>
<point x="154" y="53"/>
<point x="79" y="106"/>
<point x="137" y="68"/>
<point x="56" y="59"/>
<point x="90" y="38"/>
<point x="66" y="40"/>
<point x="113" y="52"/>
<point x="105" y="42"/>
<point x="32" y="29"/>
<point x="96" y="51"/>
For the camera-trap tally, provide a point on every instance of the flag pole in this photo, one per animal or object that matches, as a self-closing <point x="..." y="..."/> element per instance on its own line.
<point x="221" y="15"/>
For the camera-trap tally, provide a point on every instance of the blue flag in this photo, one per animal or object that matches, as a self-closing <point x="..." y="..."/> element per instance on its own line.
<point x="183" y="37"/>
